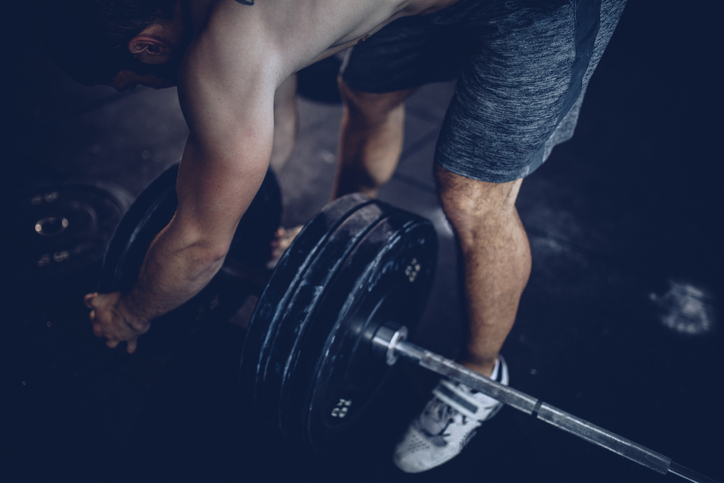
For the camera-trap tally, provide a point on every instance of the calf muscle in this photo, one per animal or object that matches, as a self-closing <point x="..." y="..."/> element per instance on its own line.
<point x="371" y="140"/>
<point x="495" y="260"/>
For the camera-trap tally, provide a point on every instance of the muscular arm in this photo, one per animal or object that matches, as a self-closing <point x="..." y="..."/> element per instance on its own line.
<point x="226" y="91"/>
<point x="226" y="87"/>
<point x="223" y="165"/>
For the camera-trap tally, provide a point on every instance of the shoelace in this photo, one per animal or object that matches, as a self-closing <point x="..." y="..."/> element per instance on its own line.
<point x="436" y="419"/>
<point x="443" y="415"/>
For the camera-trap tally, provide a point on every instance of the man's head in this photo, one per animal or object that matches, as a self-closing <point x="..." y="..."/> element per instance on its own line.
<point x="115" y="42"/>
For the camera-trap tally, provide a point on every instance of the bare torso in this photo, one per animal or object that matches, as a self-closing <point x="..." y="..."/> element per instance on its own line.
<point x="303" y="32"/>
<point x="241" y="53"/>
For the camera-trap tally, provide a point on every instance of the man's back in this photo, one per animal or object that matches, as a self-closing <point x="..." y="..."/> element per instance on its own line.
<point x="300" y="33"/>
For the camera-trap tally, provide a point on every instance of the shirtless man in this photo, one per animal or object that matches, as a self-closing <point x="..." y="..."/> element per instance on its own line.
<point x="523" y="68"/>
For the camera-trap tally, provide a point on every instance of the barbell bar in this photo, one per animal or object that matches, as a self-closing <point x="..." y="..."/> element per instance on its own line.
<point x="390" y="342"/>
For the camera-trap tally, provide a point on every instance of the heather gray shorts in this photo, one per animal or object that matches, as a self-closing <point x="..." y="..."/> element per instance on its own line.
<point x="522" y="68"/>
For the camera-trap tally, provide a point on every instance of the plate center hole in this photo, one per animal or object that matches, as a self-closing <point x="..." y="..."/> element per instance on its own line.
<point x="51" y="225"/>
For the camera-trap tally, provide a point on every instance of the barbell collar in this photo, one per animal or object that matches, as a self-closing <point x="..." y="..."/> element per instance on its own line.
<point x="392" y="342"/>
<point x="386" y="340"/>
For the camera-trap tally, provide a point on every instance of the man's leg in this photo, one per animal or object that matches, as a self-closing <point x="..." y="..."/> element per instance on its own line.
<point x="369" y="147"/>
<point x="496" y="254"/>
<point x="496" y="265"/>
<point x="496" y="260"/>
<point x="371" y="140"/>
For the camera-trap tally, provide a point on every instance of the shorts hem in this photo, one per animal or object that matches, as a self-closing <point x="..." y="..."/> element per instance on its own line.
<point x="481" y="175"/>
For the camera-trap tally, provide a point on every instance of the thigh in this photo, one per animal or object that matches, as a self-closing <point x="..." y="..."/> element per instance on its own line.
<point x="520" y="93"/>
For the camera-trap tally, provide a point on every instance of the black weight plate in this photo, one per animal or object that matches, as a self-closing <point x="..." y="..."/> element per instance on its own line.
<point x="152" y="211"/>
<point x="385" y="280"/>
<point x="333" y="288"/>
<point x="58" y="230"/>
<point x="302" y="304"/>
<point x="288" y="275"/>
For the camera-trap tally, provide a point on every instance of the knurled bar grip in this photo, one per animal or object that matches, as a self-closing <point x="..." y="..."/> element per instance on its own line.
<point x="552" y="415"/>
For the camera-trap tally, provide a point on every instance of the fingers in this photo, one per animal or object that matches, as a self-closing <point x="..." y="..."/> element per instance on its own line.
<point x="107" y="323"/>
<point x="112" y="341"/>
<point x="131" y="345"/>
<point x="97" y="330"/>
<point x="88" y="299"/>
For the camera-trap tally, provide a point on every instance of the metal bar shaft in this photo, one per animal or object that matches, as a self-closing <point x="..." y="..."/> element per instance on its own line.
<point x="545" y="412"/>
<point x="688" y="474"/>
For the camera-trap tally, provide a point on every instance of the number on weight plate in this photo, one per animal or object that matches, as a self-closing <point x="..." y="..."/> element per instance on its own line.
<point x="342" y="408"/>
<point x="412" y="270"/>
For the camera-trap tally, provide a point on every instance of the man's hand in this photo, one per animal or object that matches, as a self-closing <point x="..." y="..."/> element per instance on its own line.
<point x="112" y="320"/>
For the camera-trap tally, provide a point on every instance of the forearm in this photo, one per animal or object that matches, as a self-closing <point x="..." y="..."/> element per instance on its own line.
<point x="214" y="190"/>
<point x="175" y="269"/>
<point x="191" y="249"/>
<point x="223" y="164"/>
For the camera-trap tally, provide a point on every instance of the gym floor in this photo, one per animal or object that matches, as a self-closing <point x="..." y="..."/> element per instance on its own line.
<point x="620" y="323"/>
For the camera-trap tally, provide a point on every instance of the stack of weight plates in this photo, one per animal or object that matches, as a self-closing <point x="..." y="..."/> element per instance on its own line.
<point x="307" y="357"/>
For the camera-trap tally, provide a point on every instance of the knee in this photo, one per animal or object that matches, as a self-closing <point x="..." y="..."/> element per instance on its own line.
<point x="473" y="206"/>
<point x="369" y="107"/>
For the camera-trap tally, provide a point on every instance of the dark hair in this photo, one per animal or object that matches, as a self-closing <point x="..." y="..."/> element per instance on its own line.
<point x="89" y="38"/>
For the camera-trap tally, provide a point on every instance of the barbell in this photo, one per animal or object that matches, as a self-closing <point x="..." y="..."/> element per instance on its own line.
<point x="333" y="319"/>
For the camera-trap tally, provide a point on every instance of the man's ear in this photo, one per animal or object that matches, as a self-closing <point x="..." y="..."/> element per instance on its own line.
<point x="149" y="49"/>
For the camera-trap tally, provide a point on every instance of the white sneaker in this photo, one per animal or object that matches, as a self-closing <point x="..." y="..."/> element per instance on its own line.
<point x="447" y="423"/>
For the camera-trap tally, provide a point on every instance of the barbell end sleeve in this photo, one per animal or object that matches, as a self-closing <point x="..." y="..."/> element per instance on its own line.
<point x="688" y="474"/>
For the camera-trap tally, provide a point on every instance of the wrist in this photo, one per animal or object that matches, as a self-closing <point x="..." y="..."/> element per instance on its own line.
<point x="132" y="312"/>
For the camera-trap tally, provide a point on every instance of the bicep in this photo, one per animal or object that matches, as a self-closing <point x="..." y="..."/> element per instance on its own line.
<point x="230" y="118"/>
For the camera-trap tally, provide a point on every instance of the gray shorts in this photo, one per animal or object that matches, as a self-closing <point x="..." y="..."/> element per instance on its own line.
<point x="521" y="66"/>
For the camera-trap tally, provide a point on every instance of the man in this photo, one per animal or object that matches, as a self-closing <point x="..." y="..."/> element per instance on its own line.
<point x="523" y="67"/>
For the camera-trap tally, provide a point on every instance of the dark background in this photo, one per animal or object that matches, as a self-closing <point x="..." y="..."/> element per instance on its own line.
<point x="620" y="323"/>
